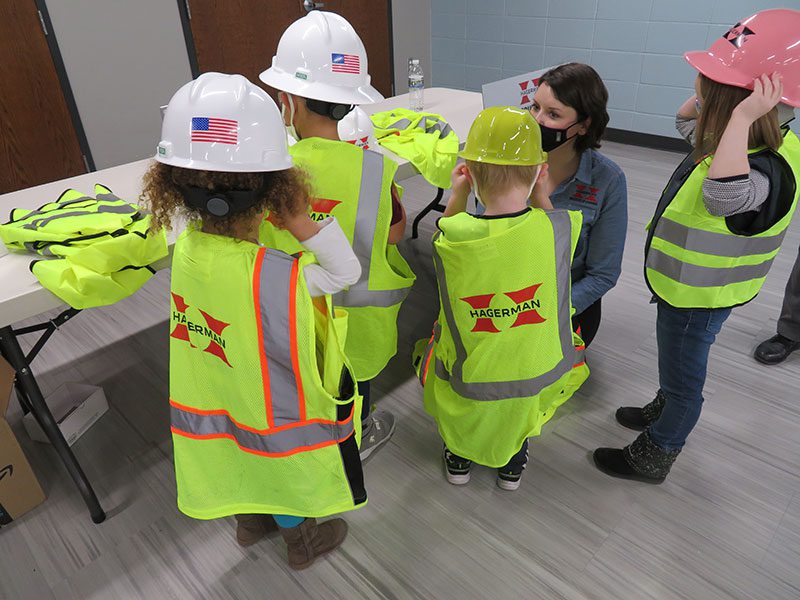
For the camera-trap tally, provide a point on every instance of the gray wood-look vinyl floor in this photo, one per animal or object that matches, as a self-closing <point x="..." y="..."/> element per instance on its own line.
<point x="725" y="525"/>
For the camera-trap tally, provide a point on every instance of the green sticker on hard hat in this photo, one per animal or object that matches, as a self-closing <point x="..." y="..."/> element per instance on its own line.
<point x="161" y="150"/>
<point x="300" y="75"/>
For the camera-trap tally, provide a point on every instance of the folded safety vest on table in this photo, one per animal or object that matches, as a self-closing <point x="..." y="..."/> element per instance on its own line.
<point x="98" y="250"/>
<point x="426" y="140"/>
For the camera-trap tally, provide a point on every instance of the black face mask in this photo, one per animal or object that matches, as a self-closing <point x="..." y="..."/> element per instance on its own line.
<point x="553" y="138"/>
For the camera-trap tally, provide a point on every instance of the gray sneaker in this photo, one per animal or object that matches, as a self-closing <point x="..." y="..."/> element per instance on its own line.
<point x="375" y="432"/>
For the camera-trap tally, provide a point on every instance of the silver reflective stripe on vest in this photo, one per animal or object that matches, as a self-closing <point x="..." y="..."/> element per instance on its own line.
<point x="119" y="209"/>
<point x="54" y="206"/>
<point x="401" y="124"/>
<point x="443" y="128"/>
<point x="501" y="390"/>
<point x="275" y="292"/>
<point x="287" y="440"/>
<point x="714" y="243"/>
<point x="697" y="276"/>
<point x="369" y="195"/>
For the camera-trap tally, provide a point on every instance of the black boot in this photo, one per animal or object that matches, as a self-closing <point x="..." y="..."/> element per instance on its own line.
<point x="642" y="460"/>
<point x="774" y="350"/>
<point x="640" y="419"/>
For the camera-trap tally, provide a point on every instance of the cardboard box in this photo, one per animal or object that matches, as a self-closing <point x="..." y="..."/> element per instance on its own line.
<point x="75" y="407"/>
<point x="19" y="489"/>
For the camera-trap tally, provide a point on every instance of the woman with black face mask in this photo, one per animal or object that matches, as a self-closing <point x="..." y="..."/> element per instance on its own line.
<point x="570" y="107"/>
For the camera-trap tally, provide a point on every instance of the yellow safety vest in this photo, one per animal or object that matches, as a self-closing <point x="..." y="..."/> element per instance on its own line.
<point x="263" y="407"/>
<point x="97" y="250"/>
<point x="425" y="140"/>
<point x="693" y="259"/>
<point x="354" y="185"/>
<point x="503" y="355"/>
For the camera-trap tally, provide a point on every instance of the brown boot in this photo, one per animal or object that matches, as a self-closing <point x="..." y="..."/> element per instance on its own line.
<point x="308" y="540"/>
<point x="251" y="528"/>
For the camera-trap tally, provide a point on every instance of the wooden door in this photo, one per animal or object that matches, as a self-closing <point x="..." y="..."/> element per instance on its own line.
<point x="371" y="20"/>
<point x="241" y="36"/>
<point x="38" y="141"/>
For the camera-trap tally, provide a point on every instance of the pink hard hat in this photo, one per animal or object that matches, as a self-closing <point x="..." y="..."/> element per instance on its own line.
<point x="768" y="42"/>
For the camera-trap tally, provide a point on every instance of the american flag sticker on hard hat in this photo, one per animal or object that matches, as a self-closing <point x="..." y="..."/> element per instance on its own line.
<point x="345" y="63"/>
<point x="211" y="129"/>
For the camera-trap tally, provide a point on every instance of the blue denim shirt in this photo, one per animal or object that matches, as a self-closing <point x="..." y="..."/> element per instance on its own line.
<point x="599" y="190"/>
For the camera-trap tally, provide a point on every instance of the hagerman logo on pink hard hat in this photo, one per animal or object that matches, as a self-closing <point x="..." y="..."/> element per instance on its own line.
<point x="738" y="34"/>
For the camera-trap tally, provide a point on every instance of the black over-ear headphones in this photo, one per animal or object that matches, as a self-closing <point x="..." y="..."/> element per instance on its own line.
<point x="332" y="110"/>
<point x="220" y="203"/>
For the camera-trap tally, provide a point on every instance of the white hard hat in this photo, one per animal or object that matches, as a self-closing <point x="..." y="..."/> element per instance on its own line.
<point x="320" y="56"/>
<point x="223" y="123"/>
<point x="357" y="128"/>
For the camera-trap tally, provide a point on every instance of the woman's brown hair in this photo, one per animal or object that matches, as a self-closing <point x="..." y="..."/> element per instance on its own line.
<point x="719" y="100"/>
<point x="579" y="86"/>
<point x="285" y="193"/>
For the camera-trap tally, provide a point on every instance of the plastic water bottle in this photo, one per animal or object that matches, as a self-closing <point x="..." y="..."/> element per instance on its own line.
<point x="416" y="85"/>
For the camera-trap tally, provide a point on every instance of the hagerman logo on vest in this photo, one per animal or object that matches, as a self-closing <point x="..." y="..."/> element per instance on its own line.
<point x="362" y="142"/>
<point x="321" y="209"/>
<point x="212" y="330"/>
<point x="524" y="309"/>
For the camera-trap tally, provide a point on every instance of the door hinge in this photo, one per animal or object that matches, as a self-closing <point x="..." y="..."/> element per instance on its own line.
<point x="188" y="10"/>
<point x="41" y="20"/>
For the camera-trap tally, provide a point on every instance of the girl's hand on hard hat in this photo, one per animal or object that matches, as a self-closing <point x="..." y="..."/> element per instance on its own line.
<point x="767" y="92"/>
<point x="461" y="180"/>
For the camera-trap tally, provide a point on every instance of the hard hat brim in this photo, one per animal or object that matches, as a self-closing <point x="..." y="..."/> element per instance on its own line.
<point x="201" y="165"/>
<point x="278" y="79"/>
<point x="493" y="160"/>
<point x="715" y="69"/>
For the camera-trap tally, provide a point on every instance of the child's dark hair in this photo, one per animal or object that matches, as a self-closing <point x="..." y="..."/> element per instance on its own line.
<point x="285" y="193"/>
<point x="719" y="100"/>
<point x="579" y="86"/>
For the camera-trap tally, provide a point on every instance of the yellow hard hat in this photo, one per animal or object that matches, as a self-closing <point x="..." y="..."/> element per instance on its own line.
<point x="504" y="135"/>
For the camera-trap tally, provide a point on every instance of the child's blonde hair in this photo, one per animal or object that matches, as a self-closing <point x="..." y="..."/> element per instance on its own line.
<point x="496" y="179"/>
<point x="719" y="100"/>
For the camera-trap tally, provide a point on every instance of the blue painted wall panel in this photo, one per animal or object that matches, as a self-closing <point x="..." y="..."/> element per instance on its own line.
<point x="637" y="46"/>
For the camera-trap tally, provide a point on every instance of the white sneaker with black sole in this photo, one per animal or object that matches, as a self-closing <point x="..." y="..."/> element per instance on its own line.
<point x="508" y="480"/>
<point x="456" y="469"/>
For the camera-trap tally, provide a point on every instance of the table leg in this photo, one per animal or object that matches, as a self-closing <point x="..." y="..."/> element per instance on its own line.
<point x="433" y="205"/>
<point x="9" y="346"/>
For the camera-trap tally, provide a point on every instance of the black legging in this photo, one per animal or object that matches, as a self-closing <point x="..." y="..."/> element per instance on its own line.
<point x="366" y="407"/>
<point x="589" y="322"/>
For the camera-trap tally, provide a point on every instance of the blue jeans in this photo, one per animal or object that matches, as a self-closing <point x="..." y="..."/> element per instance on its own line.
<point x="685" y="336"/>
